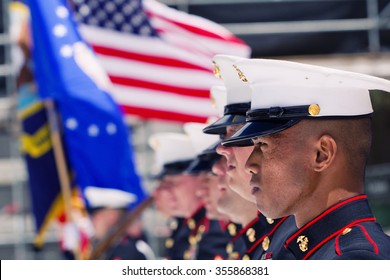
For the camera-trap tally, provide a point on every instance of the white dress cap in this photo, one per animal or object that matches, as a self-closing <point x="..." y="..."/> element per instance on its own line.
<point x="171" y="148"/>
<point x="285" y="92"/>
<point x="200" y="140"/>
<point x="106" y="197"/>
<point x="237" y="92"/>
<point x="218" y="99"/>
<point x="332" y="92"/>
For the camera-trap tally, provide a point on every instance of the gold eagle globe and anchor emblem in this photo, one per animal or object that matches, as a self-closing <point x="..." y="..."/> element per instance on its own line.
<point x="240" y="74"/>
<point x="303" y="242"/>
<point x="216" y="71"/>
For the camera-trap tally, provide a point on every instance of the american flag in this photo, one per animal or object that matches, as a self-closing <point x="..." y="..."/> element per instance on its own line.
<point x="159" y="59"/>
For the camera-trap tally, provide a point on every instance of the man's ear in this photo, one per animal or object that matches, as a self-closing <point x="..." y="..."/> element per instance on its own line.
<point x="326" y="148"/>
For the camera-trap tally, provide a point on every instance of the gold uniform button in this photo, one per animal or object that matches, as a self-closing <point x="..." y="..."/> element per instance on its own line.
<point x="173" y="225"/>
<point x="229" y="248"/>
<point x="199" y="236"/>
<point x="192" y="240"/>
<point x="191" y="224"/>
<point x="234" y="256"/>
<point x="265" y="243"/>
<point x="270" y="221"/>
<point x="314" y="109"/>
<point x="169" y="243"/>
<point x="347" y="230"/>
<point x="246" y="257"/>
<point x="201" y="229"/>
<point x="232" y="229"/>
<point x="187" y="255"/>
<point x="251" y="234"/>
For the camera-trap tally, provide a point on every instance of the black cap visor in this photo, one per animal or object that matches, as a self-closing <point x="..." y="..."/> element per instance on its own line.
<point x="255" y="129"/>
<point x="211" y="149"/>
<point x="219" y="127"/>
<point x="203" y="163"/>
<point x="172" y="169"/>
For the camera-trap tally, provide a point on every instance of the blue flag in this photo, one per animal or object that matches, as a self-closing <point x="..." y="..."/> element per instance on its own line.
<point x="44" y="185"/>
<point x="96" y="140"/>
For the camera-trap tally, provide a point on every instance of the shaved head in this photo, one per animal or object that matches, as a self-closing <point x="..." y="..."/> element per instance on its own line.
<point x="353" y="137"/>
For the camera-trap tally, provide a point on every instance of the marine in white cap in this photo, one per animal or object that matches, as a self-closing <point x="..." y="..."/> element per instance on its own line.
<point x="173" y="154"/>
<point x="310" y="127"/>
<point x="212" y="241"/>
<point x="107" y="207"/>
<point x="264" y="237"/>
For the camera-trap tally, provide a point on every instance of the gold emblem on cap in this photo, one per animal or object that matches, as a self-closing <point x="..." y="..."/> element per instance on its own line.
<point x="265" y="243"/>
<point x="240" y="74"/>
<point x="246" y="257"/>
<point x="213" y="102"/>
<point x="347" y="230"/>
<point x="303" y="243"/>
<point x="251" y="233"/>
<point x="270" y="221"/>
<point x="191" y="223"/>
<point x="232" y="229"/>
<point x="216" y="71"/>
<point x="169" y="243"/>
<point x="314" y="109"/>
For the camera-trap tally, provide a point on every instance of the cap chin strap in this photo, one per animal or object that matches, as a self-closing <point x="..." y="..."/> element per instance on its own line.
<point x="278" y="113"/>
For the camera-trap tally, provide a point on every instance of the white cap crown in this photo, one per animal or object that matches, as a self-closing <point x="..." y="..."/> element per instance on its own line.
<point x="237" y="91"/>
<point x="218" y="97"/>
<point x="278" y="83"/>
<point x="106" y="197"/>
<point x="171" y="147"/>
<point x="200" y="140"/>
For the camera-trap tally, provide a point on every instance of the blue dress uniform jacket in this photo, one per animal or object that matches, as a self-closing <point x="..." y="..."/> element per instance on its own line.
<point x="214" y="241"/>
<point x="273" y="244"/>
<point x="260" y="232"/>
<point x="236" y="247"/>
<point x="197" y="226"/>
<point x="177" y="243"/>
<point x="208" y="238"/>
<point x="346" y="230"/>
<point x="127" y="249"/>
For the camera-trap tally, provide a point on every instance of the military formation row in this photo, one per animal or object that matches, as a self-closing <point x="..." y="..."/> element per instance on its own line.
<point x="279" y="174"/>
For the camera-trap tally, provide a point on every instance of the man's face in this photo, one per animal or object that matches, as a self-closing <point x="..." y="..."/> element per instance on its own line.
<point x="209" y="193"/>
<point x="236" y="157"/>
<point x="279" y="172"/>
<point x="182" y="189"/>
<point x="229" y="202"/>
<point x="163" y="199"/>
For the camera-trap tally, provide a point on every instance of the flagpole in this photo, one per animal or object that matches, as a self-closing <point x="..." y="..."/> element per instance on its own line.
<point x="120" y="230"/>
<point x="60" y="160"/>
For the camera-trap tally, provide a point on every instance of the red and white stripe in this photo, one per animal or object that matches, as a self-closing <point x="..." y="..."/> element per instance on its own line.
<point x="167" y="77"/>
